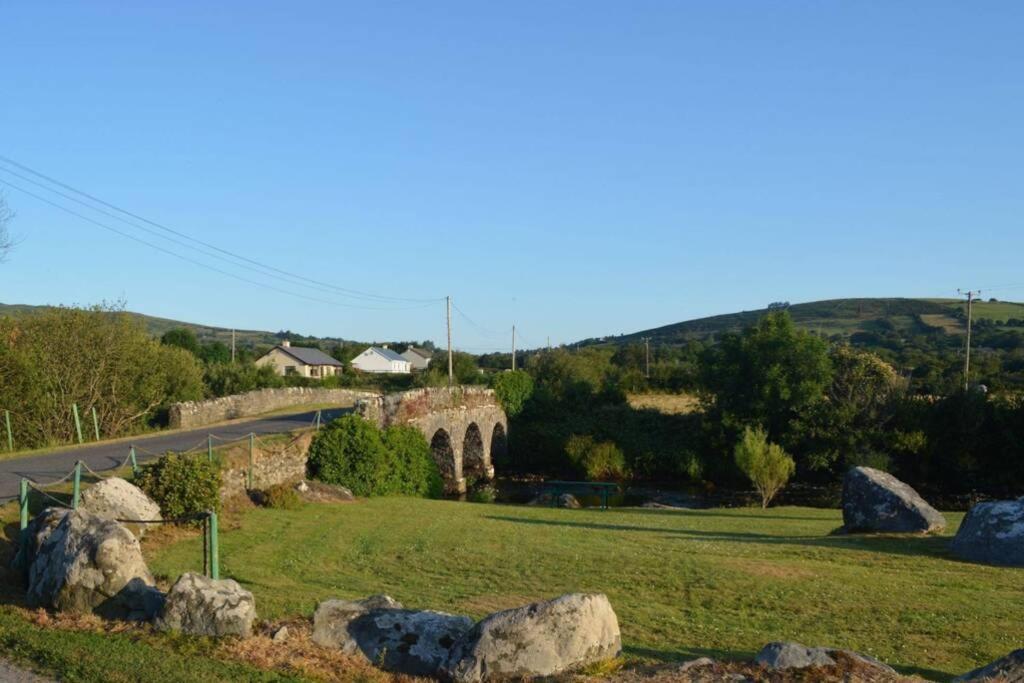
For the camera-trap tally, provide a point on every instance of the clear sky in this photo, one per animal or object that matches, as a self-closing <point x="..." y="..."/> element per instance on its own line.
<point x="577" y="168"/>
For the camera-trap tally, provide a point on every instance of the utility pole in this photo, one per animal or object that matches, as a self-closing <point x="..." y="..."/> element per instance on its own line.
<point x="232" y="346"/>
<point x="967" y="356"/>
<point x="647" y="357"/>
<point x="448" y="300"/>
<point x="513" y="348"/>
<point x="549" y="342"/>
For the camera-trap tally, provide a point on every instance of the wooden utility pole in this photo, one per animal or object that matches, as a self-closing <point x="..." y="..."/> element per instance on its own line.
<point x="647" y="357"/>
<point x="232" y="346"/>
<point x="448" y="300"/>
<point x="513" y="348"/>
<point x="967" y="356"/>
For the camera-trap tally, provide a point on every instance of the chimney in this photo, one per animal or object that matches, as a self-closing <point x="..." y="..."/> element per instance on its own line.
<point x="286" y="343"/>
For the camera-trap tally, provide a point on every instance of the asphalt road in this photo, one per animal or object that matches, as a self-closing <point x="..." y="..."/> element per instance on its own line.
<point x="106" y="456"/>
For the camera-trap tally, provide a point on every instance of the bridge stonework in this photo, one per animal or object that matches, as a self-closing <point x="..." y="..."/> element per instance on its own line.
<point x="465" y="426"/>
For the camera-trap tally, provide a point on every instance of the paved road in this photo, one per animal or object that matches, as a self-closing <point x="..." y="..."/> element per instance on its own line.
<point x="105" y="456"/>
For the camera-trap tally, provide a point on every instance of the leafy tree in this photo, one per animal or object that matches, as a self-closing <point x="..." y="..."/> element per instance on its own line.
<point x="415" y="472"/>
<point x="215" y="352"/>
<point x="225" y="379"/>
<point x="766" y="465"/>
<point x="183" y="338"/>
<point x="513" y="388"/>
<point x="596" y="460"/>
<point x="766" y="375"/>
<point x="181" y="484"/>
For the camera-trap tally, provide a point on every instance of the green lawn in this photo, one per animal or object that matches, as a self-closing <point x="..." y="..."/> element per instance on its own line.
<point x="717" y="582"/>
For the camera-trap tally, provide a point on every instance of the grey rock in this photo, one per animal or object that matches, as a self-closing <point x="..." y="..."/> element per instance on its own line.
<point x="1008" y="669"/>
<point x="565" y="500"/>
<point x="992" y="532"/>
<point x="779" y="656"/>
<point x="280" y="635"/>
<point x="203" y="606"/>
<point x="411" y="642"/>
<point x="117" y="499"/>
<point x="877" y="501"/>
<point x="89" y="564"/>
<point x="540" y="639"/>
<point x="31" y="537"/>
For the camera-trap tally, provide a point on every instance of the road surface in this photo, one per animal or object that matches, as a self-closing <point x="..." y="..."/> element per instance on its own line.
<point x="104" y="456"/>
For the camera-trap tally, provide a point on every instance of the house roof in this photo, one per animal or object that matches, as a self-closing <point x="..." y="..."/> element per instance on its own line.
<point x="308" y="356"/>
<point x="387" y="353"/>
<point x="419" y="352"/>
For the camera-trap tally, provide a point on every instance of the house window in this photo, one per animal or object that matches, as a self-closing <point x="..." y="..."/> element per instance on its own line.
<point x="290" y="370"/>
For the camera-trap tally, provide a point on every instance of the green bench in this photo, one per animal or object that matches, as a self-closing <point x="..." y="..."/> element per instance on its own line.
<point x="557" y="488"/>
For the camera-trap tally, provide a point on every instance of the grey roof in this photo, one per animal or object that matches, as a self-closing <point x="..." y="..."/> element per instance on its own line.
<point x="387" y="353"/>
<point x="309" y="356"/>
<point x="419" y="352"/>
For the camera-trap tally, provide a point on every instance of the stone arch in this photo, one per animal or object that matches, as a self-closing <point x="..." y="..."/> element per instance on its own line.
<point x="499" y="444"/>
<point x="475" y="458"/>
<point x="444" y="455"/>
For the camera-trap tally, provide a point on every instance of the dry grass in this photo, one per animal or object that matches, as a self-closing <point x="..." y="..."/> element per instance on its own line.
<point x="670" y="404"/>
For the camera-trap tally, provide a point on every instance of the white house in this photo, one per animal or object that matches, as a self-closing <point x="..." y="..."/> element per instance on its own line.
<point x="297" y="360"/>
<point x="419" y="359"/>
<point x="381" y="359"/>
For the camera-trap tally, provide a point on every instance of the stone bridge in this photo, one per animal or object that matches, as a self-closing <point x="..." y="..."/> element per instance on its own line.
<point x="465" y="426"/>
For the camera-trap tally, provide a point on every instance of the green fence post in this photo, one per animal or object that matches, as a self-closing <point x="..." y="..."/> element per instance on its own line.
<point x="134" y="461"/>
<point x="214" y="549"/>
<point x="252" y="448"/>
<point x="77" y="487"/>
<point x="23" y="501"/>
<point x="209" y="447"/>
<point x="78" y="422"/>
<point x="95" y="423"/>
<point x="10" y="434"/>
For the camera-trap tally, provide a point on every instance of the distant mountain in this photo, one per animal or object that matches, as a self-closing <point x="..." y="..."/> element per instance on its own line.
<point x="205" y="333"/>
<point x="838" y="318"/>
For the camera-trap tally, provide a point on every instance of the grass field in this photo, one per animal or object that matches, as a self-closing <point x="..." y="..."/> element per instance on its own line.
<point x="670" y="404"/>
<point x="684" y="584"/>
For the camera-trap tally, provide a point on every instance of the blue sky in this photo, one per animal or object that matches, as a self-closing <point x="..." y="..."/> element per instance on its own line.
<point x="576" y="168"/>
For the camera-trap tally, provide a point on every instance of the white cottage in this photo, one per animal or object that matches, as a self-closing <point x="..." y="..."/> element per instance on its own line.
<point x="383" y="360"/>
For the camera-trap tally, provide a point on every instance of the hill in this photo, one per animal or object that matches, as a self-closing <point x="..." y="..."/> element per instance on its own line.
<point x="842" y="318"/>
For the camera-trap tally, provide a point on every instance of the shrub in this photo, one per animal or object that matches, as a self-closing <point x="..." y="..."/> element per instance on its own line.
<point x="766" y="465"/>
<point x="484" y="493"/>
<point x="513" y="390"/>
<point x="181" y="484"/>
<point x="415" y="472"/>
<point x="282" y="497"/>
<point x="353" y="452"/>
<point x="596" y="460"/>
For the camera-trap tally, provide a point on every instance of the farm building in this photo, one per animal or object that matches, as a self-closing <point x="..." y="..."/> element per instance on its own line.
<point x="297" y="360"/>
<point x="381" y="359"/>
<point x="419" y="359"/>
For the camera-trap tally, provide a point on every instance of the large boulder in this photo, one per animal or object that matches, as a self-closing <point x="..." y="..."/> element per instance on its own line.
<point x="1008" y="669"/>
<point x="208" y="607"/>
<point x="992" y="532"/>
<point x="782" y="656"/>
<point x="417" y="643"/>
<point x="89" y="564"/>
<point x="541" y="639"/>
<point x="877" y="501"/>
<point x="31" y="537"/>
<point x="117" y="499"/>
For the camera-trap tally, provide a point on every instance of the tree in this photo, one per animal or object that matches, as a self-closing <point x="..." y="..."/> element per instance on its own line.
<point x="767" y="375"/>
<point x="6" y="241"/>
<point x="183" y="338"/>
<point x="766" y="465"/>
<point x="513" y="389"/>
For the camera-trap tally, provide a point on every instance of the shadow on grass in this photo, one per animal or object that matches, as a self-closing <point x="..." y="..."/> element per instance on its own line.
<point x="699" y="513"/>
<point x="913" y="545"/>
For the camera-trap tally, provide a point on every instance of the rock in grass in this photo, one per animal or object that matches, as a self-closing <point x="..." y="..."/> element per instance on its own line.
<point x="992" y="532"/>
<point x="541" y="639"/>
<point x="89" y="564"/>
<point x="117" y="499"/>
<point x="782" y="656"/>
<point x="417" y="643"/>
<point x="31" y="537"/>
<point x="1008" y="669"/>
<point x="877" y="501"/>
<point x="565" y="500"/>
<point x="206" y="607"/>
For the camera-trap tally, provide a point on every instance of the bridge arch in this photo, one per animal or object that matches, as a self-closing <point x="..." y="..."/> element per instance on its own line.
<point x="475" y="456"/>
<point x="499" y="443"/>
<point x="444" y="455"/>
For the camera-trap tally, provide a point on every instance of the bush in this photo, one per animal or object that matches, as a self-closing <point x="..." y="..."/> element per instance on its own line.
<point x="352" y="452"/>
<point x="766" y="465"/>
<point x="181" y="484"/>
<point x="282" y="497"/>
<point x="415" y="472"/>
<point x="483" y="493"/>
<point x="596" y="460"/>
<point x="513" y="389"/>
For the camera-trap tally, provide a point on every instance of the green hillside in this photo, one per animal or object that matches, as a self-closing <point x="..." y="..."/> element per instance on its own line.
<point x="842" y="318"/>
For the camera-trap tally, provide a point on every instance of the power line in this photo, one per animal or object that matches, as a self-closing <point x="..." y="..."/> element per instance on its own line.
<point x="200" y="263"/>
<point x="239" y="257"/>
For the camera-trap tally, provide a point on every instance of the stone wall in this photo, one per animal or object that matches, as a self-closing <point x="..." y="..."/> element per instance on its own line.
<point x="406" y="406"/>
<point x="199" y="413"/>
<point x="276" y="462"/>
